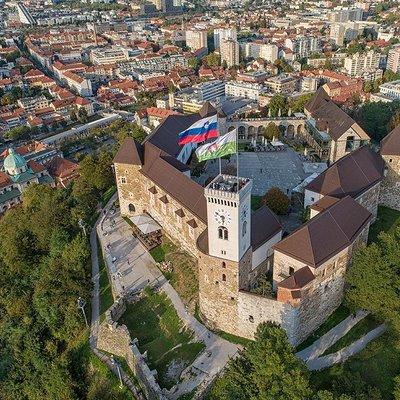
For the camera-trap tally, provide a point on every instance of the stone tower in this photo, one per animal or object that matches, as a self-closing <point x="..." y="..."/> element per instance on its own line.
<point x="390" y="186"/>
<point x="225" y="250"/>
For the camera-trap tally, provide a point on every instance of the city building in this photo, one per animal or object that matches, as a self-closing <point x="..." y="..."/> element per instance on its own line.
<point x="303" y="46"/>
<point x="283" y="83"/>
<point x="269" y="52"/>
<point x="221" y="34"/>
<point x="244" y="89"/>
<point x="358" y="63"/>
<point x="393" y="60"/>
<point x="196" y="39"/>
<point x="390" y="90"/>
<point x="229" y="51"/>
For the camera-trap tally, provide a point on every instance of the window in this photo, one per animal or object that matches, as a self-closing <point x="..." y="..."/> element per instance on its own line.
<point x="251" y="318"/>
<point x="244" y="228"/>
<point x="131" y="207"/>
<point x="223" y="233"/>
<point x="223" y="264"/>
<point x="191" y="232"/>
<point x="349" y="143"/>
<point x="223" y="252"/>
<point x="123" y="179"/>
<point x="223" y="278"/>
<point x="291" y="270"/>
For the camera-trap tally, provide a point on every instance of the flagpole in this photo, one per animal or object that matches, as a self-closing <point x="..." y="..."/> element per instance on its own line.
<point x="237" y="158"/>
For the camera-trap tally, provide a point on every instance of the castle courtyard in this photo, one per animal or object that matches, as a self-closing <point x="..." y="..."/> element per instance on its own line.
<point x="282" y="169"/>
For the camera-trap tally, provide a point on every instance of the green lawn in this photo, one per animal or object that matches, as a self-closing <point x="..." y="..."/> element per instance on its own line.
<point x="166" y="247"/>
<point x="234" y="339"/>
<point x="154" y="321"/>
<point x="387" y="220"/>
<point x="336" y="317"/>
<point x="184" y="276"/>
<point x="256" y="202"/>
<point x="376" y="365"/>
<point x="106" y="297"/>
<point x="360" y="329"/>
<point x="106" y="196"/>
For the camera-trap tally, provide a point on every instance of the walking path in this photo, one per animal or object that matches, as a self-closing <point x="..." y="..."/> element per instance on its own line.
<point x="343" y="354"/>
<point x="132" y="268"/>
<point x="95" y="321"/>
<point x="331" y="337"/>
<point x="312" y="354"/>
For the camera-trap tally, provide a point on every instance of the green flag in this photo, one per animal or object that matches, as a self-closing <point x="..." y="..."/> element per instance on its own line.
<point x="223" y="146"/>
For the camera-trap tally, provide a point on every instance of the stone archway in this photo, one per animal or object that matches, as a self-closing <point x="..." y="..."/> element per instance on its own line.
<point x="231" y="128"/>
<point x="251" y="132"/>
<point x="299" y="130"/>
<point x="290" y="132"/>
<point x="242" y="132"/>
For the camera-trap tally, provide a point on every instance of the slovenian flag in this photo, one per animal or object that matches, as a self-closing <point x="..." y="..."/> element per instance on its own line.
<point x="206" y="128"/>
<point x="223" y="146"/>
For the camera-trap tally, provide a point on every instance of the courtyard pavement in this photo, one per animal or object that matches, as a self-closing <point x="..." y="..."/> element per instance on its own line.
<point x="132" y="268"/>
<point x="282" y="169"/>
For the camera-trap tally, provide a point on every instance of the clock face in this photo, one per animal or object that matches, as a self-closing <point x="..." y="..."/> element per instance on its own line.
<point x="222" y="217"/>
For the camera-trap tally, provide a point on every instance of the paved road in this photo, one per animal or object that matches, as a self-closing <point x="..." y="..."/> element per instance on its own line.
<point x="331" y="337"/>
<point x="132" y="268"/>
<point x="343" y="354"/>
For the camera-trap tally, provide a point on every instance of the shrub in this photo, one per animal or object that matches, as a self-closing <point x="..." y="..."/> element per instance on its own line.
<point x="277" y="201"/>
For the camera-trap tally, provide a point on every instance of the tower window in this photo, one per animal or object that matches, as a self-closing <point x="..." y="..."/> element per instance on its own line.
<point x="223" y="264"/>
<point x="223" y="233"/>
<point x="251" y="318"/>
<point x="244" y="228"/>
<point x="223" y="278"/>
<point x="291" y="271"/>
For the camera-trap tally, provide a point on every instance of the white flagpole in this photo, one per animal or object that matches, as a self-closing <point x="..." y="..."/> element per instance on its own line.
<point x="237" y="158"/>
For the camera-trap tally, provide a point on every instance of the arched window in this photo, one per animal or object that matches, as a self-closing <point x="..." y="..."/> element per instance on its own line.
<point x="291" y="271"/>
<point x="244" y="228"/>
<point x="223" y="264"/>
<point x="223" y="278"/>
<point x="131" y="207"/>
<point x="223" y="233"/>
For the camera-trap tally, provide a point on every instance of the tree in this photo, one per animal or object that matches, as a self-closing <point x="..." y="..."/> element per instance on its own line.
<point x="212" y="60"/>
<point x="266" y="369"/>
<point x="396" y="392"/>
<point x="390" y="76"/>
<point x="297" y="104"/>
<point x="193" y="63"/>
<point x="271" y="131"/>
<point x="19" y="132"/>
<point x="82" y="115"/>
<point x="96" y="171"/>
<point x="11" y="57"/>
<point x="374" y="279"/>
<point x="277" y="201"/>
<point x="394" y="121"/>
<point x="276" y="104"/>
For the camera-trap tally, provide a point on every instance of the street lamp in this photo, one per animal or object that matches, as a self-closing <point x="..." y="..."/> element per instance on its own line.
<point x="82" y="225"/>
<point x="81" y="305"/>
<point x="116" y="363"/>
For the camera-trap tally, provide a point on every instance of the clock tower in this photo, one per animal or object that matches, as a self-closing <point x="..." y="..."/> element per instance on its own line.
<point x="225" y="253"/>
<point x="228" y="217"/>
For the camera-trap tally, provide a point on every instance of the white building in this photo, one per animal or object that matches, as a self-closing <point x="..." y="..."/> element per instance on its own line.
<point x="391" y="90"/>
<point x="393" y="61"/>
<point x="210" y="90"/>
<point x="244" y="89"/>
<point x="303" y="46"/>
<point x="223" y="34"/>
<point x="269" y="52"/>
<point x="196" y="39"/>
<point x="229" y="51"/>
<point x="252" y="50"/>
<point x="356" y="64"/>
<point x="108" y="56"/>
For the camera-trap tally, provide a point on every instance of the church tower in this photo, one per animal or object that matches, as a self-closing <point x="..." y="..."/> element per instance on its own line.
<point x="225" y="258"/>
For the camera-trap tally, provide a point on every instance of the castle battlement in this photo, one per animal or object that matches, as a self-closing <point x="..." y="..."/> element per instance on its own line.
<point x="228" y="187"/>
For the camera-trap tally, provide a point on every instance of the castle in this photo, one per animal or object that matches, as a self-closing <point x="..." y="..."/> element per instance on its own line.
<point x="235" y="246"/>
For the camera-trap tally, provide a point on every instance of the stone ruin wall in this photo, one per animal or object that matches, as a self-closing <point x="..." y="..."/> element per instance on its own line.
<point x="116" y="339"/>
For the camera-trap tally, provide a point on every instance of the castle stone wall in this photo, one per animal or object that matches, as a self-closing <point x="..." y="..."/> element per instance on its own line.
<point x="390" y="186"/>
<point x="370" y="199"/>
<point x="135" y="192"/>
